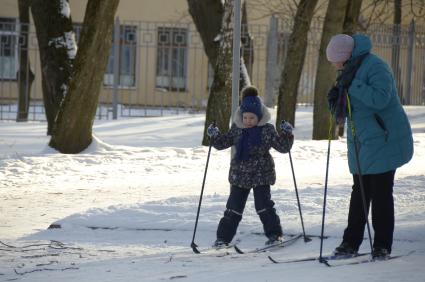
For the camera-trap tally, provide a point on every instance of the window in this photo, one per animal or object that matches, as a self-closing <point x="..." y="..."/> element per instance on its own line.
<point x="171" y="60"/>
<point x="127" y="61"/>
<point x="8" y="48"/>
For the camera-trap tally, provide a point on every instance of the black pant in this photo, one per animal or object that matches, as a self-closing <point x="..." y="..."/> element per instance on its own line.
<point x="378" y="190"/>
<point x="235" y="206"/>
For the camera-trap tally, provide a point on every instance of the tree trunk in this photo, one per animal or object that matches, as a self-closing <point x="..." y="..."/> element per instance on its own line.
<point x="207" y="16"/>
<point x="220" y="100"/>
<point x="73" y="128"/>
<point x="325" y="75"/>
<point x="395" y="56"/>
<point x="352" y="14"/>
<point x="350" y="27"/>
<point x="25" y="74"/>
<point x="57" y="51"/>
<point x="214" y="24"/>
<point x="293" y="65"/>
<point x="247" y="42"/>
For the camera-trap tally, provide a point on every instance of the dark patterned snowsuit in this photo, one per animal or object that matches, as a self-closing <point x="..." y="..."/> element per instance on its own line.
<point x="258" y="173"/>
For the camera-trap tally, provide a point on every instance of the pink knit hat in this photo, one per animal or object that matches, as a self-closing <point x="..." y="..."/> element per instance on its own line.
<point x="339" y="48"/>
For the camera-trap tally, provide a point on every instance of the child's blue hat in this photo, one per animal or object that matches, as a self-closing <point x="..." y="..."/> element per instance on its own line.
<point x="252" y="104"/>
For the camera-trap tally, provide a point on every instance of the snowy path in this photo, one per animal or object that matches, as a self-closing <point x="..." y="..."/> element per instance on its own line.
<point x="147" y="174"/>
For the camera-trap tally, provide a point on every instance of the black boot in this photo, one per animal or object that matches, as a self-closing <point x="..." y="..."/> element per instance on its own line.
<point x="345" y="249"/>
<point x="220" y="243"/>
<point x="271" y="225"/>
<point x="227" y="226"/>
<point x="380" y="253"/>
<point x="274" y="239"/>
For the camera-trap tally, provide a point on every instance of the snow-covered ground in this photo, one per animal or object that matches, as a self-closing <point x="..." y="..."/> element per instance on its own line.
<point x="127" y="206"/>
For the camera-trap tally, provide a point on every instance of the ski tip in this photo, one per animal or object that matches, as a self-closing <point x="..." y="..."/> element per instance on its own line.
<point x="238" y="250"/>
<point x="307" y="239"/>
<point x="195" y="248"/>
<point x="272" y="259"/>
<point x="324" y="261"/>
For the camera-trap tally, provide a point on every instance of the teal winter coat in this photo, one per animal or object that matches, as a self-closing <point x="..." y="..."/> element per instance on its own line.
<point x="381" y="125"/>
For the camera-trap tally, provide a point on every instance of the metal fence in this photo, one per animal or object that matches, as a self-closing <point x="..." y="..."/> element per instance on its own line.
<point x="159" y="68"/>
<point x="402" y="47"/>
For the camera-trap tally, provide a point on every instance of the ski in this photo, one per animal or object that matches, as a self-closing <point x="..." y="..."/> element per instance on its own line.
<point x="213" y="249"/>
<point x="218" y="251"/>
<point x="286" y="234"/>
<point x="279" y="245"/>
<point x="366" y="260"/>
<point x="322" y="259"/>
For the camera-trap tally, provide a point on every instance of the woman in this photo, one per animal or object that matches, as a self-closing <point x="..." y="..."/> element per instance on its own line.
<point x="378" y="126"/>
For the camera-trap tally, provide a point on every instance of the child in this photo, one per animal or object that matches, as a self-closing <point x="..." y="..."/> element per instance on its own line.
<point x="252" y="166"/>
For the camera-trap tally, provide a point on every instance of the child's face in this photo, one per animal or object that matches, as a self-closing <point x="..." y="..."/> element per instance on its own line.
<point x="249" y="120"/>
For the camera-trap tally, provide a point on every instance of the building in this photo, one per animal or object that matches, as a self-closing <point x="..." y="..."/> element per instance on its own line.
<point x="162" y="62"/>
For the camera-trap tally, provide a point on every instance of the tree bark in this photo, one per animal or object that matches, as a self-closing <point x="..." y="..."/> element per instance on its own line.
<point x="220" y="100"/>
<point x="247" y="42"/>
<point x="25" y="74"/>
<point x="293" y="65"/>
<point x="351" y="21"/>
<point x="73" y="128"/>
<point x="207" y="16"/>
<point x="350" y="27"/>
<point x="325" y="75"/>
<point x="213" y="20"/>
<point x="57" y="51"/>
<point x="395" y="52"/>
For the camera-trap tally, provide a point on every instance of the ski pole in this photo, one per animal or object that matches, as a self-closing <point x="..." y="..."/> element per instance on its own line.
<point x="360" y="176"/>
<point x="193" y="245"/>
<point x="325" y="191"/>
<point x="306" y="239"/>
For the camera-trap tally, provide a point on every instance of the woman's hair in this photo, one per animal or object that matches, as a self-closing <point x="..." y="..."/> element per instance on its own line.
<point x="249" y="91"/>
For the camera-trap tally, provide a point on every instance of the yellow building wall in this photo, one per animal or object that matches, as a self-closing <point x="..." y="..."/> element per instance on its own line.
<point x="145" y="92"/>
<point x="158" y="13"/>
<point x="9" y="89"/>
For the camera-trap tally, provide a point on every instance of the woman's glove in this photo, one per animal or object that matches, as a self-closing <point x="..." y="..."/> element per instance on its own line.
<point x="333" y="98"/>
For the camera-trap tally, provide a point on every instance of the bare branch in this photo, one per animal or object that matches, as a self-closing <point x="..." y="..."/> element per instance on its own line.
<point x="45" y="269"/>
<point x="414" y="7"/>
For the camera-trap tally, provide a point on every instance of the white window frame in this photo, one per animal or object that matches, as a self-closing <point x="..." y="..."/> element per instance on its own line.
<point x="165" y="77"/>
<point x="15" y="33"/>
<point x="129" y="44"/>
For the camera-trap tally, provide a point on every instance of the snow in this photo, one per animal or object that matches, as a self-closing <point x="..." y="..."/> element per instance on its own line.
<point x="244" y="72"/>
<point x="65" y="9"/>
<point x="71" y="45"/>
<point x="66" y="41"/>
<point x="127" y="206"/>
<point x="64" y="88"/>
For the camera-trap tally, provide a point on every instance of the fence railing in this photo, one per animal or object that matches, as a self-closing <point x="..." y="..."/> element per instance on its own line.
<point x="157" y="68"/>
